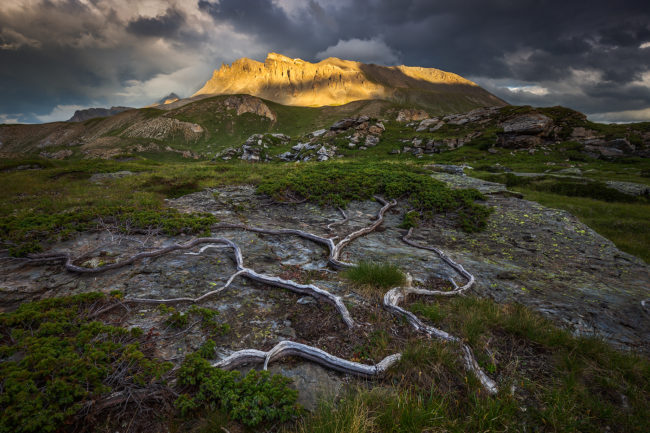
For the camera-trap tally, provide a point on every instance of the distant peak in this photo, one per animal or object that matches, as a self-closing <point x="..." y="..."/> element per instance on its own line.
<point x="172" y="97"/>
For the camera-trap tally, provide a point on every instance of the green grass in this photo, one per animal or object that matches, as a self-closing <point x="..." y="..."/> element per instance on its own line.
<point x="42" y="206"/>
<point x="55" y="359"/>
<point x="569" y="187"/>
<point x="560" y="383"/>
<point x="621" y="218"/>
<point x="375" y="275"/>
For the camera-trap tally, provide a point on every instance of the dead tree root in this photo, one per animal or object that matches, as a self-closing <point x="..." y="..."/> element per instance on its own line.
<point x="288" y="348"/>
<point x="393" y="297"/>
<point x="291" y="348"/>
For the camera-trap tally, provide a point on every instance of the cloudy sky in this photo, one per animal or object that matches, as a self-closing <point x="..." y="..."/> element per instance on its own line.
<point x="57" y="56"/>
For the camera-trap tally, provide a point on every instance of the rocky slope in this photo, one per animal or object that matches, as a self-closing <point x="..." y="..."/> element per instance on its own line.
<point x="136" y="131"/>
<point x="334" y="82"/>
<point x="221" y="126"/>
<point x="493" y="129"/>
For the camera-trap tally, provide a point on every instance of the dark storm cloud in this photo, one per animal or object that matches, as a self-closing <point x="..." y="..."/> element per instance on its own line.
<point x="270" y="25"/>
<point x="585" y="55"/>
<point x="523" y="41"/>
<point x="165" y="25"/>
<point x="65" y="53"/>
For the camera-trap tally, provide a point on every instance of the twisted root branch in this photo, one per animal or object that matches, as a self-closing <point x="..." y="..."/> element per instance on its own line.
<point x="393" y="297"/>
<point x="291" y="348"/>
<point x="335" y="252"/>
<point x="303" y="289"/>
<point x="345" y="219"/>
<point x="335" y="249"/>
<point x="456" y="266"/>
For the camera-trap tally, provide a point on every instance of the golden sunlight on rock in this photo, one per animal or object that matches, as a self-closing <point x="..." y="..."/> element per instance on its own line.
<point x="335" y="82"/>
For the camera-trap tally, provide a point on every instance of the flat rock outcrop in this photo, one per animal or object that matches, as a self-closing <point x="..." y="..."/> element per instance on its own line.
<point x="541" y="257"/>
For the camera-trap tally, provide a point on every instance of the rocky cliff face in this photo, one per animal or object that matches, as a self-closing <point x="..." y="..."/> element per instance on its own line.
<point x="335" y="82"/>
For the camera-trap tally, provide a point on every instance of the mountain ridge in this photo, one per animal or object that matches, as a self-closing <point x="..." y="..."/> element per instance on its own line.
<point x="334" y="81"/>
<point x="91" y="113"/>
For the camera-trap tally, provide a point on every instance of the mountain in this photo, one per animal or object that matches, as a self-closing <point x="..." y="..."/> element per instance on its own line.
<point x="357" y="103"/>
<point x="172" y="97"/>
<point x="91" y="113"/>
<point x="335" y="82"/>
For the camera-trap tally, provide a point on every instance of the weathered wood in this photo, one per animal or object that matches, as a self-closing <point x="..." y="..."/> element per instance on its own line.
<point x="445" y="258"/>
<point x="395" y="296"/>
<point x="335" y="249"/>
<point x="291" y="348"/>
<point x="345" y="219"/>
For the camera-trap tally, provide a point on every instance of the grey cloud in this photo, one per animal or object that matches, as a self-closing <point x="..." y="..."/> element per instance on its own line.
<point x="164" y="25"/>
<point x="271" y="27"/>
<point x="65" y="52"/>
<point x="362" y="50"/>
<point x="94" y="54"/>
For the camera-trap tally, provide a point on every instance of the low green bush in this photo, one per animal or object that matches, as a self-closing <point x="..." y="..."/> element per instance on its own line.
<point x="54" y="358"/>
<point x="207" y="316"/>
<point x="337" y="184"/>
<point x="258" y="397"/>
<point x="25" y="232"/>
<point x="411" y="220"/>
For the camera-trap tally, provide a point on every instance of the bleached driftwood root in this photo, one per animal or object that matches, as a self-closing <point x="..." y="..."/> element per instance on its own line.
<point x="395" y="296"/>
<point x="70" y="266"/>
<point x="291" y="348"/>
<point x="303" y="289"/>
<point x="456" y="266"/>
<point x="335" y="252"/>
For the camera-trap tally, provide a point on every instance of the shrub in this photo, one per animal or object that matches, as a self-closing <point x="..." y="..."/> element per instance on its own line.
<point x="338" y="184"/>
<point x="411" y="219"/>
<point x="255" y="398"/>
<point x="27" y="231"/>
<point x="208" y="319"/>
<point x="54" y="359"/>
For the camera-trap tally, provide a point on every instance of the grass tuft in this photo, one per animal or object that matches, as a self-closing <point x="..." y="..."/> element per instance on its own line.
<point x="375" y="275"/>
